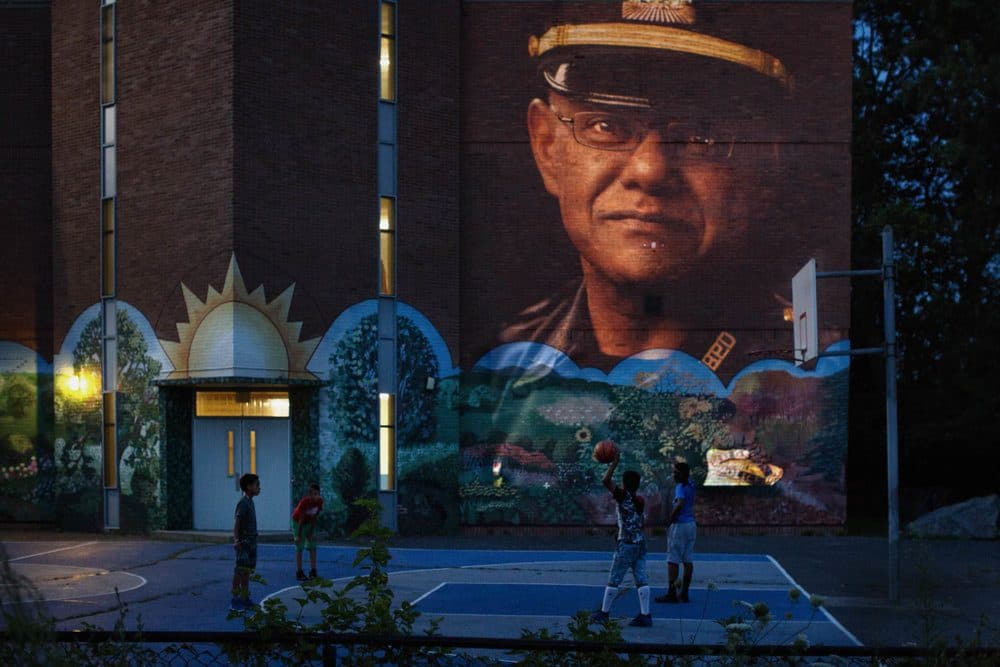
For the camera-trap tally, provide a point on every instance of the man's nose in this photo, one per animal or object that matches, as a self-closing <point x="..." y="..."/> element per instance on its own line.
<point x="651" y="163"/>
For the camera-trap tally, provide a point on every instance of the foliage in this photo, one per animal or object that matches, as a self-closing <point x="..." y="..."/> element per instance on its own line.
<point x="925" y="143"/>
<point x="354" y="383"/>
<point x="828" y="446"/>
<point x="351" y="478"/>
<point x="427" y="491"/>
<point x="365" y="605"/>
<point x="16" y="397"/>
<point x="752" y="623"/>
<point x="580" y="629"/>
<point x="138" y="428"/>
<point x="657" y="428"/>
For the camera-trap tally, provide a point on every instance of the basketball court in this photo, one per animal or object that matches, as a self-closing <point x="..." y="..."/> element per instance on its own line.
<point x="501" y="593"/>
<point x="474" y="592"/>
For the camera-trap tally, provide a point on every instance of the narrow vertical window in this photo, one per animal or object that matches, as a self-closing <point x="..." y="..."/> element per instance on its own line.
<point x="110" y="448"/>
<point x="107" y="54"/>
<point x="109" y="125"/>
<point x="109" y="180"/>
<point x="108" y="247"/>
<point x="387" y="53"/>
<point x="387" y="246"/>
<point x="230" y="455"/>
<point x="386" y="442"/>
<point x="253" y="451"/>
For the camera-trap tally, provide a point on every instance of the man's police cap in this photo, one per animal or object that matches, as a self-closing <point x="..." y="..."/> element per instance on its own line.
<point x="631" y="53"/>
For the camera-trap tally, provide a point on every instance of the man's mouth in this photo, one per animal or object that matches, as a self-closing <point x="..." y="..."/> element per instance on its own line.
<point x="642" y="219"/>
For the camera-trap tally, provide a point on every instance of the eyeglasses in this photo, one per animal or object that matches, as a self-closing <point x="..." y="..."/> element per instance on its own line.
<point x="610" y="131"/>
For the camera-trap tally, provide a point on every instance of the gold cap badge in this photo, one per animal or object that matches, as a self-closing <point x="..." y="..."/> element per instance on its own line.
<point x="658" y="11"/>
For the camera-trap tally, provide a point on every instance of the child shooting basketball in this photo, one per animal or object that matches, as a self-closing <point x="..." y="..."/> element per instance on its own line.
<point x="304" y="529"/>
<point x="630" y="550"/>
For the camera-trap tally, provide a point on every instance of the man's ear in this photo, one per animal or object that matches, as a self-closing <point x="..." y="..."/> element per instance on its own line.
<point x="542" y="125"/>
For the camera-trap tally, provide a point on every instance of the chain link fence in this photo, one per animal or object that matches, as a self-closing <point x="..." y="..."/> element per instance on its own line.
<point x="207" y="649"/>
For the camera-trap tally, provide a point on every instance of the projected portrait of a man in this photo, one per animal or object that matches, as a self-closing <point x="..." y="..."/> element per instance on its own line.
<point x="656" y="164"/>
<point x="670" y="141"/>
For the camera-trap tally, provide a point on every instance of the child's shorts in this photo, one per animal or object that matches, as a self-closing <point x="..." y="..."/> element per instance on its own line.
<point x="246" y="556"/>
<point x="680" y="542"/>
<point x="305" y="534"/>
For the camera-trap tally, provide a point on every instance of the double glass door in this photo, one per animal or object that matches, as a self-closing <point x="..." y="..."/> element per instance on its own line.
<point x="225" y="448"/>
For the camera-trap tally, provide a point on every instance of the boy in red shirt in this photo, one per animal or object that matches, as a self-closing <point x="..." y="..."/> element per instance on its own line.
<point x="304" y="529"/>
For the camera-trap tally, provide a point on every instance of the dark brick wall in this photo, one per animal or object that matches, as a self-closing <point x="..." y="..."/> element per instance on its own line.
<point x="76" y="250"/>
<point x="428" y="224"/>
<point x="175" y="148"/>
<point x="305" y="101"/>
<point x="514" y="251"/>
<point x="26" y="178"/>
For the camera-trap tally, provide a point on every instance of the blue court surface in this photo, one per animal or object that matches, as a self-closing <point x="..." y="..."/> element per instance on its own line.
<point x="501" y="593"/>
<point x="554" y="600"/>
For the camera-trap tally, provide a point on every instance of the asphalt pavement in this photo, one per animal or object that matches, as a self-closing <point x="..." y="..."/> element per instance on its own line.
<point x="949" y="590"/>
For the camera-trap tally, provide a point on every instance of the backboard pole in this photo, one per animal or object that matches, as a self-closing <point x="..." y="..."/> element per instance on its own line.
<point x="891" y="433"/>
<point x="888" y="274"/>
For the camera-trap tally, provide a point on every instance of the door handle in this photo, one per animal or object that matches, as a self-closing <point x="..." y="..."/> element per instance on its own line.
<point x="253" y="451"/>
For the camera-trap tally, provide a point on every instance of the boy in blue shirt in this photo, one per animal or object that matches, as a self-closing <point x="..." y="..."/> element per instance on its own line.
<point x="681" y="533"/>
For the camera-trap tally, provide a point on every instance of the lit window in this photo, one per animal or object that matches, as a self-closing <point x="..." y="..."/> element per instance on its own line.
<point x="241" y="404"/>
<point x="108" y="247"/>
<point x="387" y="246"/>
<point x="386" y="442"/>
<point x="387" y="54"/>
<point x="108" y="54"/>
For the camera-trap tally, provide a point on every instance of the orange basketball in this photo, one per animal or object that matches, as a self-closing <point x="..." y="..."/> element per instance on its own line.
<point x="605" y="451"/>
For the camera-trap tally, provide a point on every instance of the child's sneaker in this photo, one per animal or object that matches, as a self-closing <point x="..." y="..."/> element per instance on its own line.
<point x="599" y="617"/>
<point x="642" y="621"/>
<point x="236" y="604"/>
<point x="313" y="574"/>
<point x="300" y="575"/>
<point x="683" y="597"/>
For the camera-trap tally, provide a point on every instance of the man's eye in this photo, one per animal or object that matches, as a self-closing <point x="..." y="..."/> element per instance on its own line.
<point x="610" y="128"/>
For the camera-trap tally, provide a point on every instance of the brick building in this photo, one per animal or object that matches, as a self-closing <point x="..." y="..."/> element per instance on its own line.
<point x="295" y="240"/>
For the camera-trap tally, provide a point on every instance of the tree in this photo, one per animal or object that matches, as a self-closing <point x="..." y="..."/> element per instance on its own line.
<point x="138" y="428"/>
<point x="354" y="383"/>
<point x="926" y="137"/>
<point x="16" y="397"/>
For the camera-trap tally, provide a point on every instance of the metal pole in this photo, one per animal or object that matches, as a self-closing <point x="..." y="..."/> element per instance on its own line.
<point x="891" y="435"/>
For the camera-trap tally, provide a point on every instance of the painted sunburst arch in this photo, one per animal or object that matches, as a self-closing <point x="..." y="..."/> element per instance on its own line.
<point x="238" y="333"/>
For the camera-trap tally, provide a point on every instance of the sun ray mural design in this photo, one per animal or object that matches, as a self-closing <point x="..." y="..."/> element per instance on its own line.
<point x="238" y="333"/>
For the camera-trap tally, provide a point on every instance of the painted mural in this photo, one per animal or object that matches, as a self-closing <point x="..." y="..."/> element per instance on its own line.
<point x="768" y="448"/>
<point x="26" y="444"/>
<point x="77" y="451"/>
<point x="641" y="180"/>
<point x="426" y="402"/>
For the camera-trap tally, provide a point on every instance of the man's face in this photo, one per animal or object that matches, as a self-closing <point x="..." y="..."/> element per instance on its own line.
<point x="639" y="217"/>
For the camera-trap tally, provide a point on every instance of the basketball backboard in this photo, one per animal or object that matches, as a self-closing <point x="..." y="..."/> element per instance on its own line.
<point x="804" y="317"/>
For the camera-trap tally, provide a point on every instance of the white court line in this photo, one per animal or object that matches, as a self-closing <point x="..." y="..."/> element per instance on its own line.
<point x="430" y="592"/>
<point x="88" y="572"/>
<point x="52" y="551"/>
<point x="829" y="616"/>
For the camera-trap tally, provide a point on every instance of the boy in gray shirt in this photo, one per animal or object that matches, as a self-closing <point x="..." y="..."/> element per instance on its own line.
<point x="245" y="543"/>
